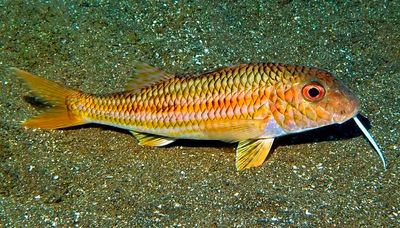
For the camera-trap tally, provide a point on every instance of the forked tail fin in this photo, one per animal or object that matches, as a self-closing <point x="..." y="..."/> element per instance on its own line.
<point x="58" y="115"/>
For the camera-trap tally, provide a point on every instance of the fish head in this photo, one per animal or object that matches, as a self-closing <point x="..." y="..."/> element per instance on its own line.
<point x="316" y="99"/>
<point x="325" y="93"/>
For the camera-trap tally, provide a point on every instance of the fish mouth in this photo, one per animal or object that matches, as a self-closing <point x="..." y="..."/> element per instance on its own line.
<point x="347" y="110"/>
<point x="341" y="118"/>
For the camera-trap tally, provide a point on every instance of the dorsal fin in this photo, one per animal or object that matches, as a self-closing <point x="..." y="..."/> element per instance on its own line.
<point x="145" y="75"/>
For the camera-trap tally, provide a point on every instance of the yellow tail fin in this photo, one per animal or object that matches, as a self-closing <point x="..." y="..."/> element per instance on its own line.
<point x="58" y="116"/>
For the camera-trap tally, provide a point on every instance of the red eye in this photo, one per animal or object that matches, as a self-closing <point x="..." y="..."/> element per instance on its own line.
<point x="313" y="91"/>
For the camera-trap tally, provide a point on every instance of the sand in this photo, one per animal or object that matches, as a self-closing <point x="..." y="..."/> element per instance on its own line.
<point x="99" y="176"/>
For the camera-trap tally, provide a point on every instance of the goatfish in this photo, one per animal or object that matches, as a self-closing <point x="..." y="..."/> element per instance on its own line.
<point x="251" y="104"/>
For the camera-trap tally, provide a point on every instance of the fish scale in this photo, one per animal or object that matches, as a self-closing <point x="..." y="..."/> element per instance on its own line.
<point x="179" y="102"/>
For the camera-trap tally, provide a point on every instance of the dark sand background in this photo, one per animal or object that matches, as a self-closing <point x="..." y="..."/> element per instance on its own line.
<point x="98" y="176"/>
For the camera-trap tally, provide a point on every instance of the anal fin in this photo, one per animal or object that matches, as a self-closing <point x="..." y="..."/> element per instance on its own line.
<point x="252" y="152"/>
<point x="152" y="140"/>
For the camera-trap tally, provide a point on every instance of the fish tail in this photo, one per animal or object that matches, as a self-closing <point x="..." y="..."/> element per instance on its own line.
<point x="58" y="115"/>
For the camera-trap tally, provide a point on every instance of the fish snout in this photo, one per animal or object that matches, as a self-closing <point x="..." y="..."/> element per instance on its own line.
<point x="345" y="106"/>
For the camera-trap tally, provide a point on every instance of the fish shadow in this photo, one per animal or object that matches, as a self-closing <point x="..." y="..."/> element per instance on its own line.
<point x="335" y="132"/>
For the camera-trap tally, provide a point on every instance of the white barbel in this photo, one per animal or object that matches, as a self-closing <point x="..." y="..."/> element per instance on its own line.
<point x="371" y="140"/>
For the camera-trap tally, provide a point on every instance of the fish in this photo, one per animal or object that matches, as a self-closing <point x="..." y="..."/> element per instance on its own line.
<point x="247" y="104"/>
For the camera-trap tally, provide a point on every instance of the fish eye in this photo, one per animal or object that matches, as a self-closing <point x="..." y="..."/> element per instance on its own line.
<point x="313" y="91"/>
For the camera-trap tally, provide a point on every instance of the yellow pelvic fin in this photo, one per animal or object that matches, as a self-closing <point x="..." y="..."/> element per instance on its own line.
<point x="151" y="140"/>
<point x="57" y="116"/>
<point x="252" y="153"/>
<point x="144" y="76"/>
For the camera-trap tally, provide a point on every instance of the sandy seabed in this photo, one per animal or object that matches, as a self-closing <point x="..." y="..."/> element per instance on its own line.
<point x="98" y="176"/>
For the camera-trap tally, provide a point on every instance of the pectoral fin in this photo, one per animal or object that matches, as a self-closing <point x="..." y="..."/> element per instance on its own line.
<point x="252" y="152"/>
<point x="234" y="130"/>
<point x="151" y="140"/>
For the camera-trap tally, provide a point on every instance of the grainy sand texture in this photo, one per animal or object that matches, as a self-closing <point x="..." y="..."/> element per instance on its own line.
<point x="100" y="176"/>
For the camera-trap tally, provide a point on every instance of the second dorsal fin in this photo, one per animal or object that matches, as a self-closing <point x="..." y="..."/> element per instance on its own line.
<point x="144" y="76"/>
